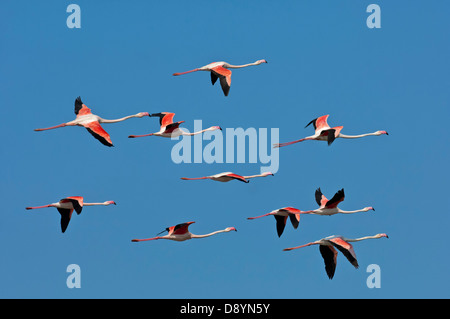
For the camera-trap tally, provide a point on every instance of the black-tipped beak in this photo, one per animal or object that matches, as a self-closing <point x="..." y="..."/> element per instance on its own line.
<point x="387" y="133"/>
<point x="373" y="208"/>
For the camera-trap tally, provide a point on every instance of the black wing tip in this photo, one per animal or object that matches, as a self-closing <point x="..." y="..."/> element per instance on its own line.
<point x="312" y="122"/>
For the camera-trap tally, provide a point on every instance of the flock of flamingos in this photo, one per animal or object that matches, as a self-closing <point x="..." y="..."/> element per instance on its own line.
<point x="169" y="128"/>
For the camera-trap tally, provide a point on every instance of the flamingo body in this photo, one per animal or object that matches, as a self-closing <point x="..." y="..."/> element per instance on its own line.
<point x="328" y="246"/>
<point x="323" y="132"/>
<point x="281" y="215"/>
<point x="221" y="70"/>
<point x="228" y="176"/>
<point x="91" y="122"/>
<point x="181" y="232"/>
<point x="329" y="207"/>
<point x="67" y="205"/>
<point x="171" y="129"/>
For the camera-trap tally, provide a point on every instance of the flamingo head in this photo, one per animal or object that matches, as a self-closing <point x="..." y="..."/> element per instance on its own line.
<point x="369" y="208"/>
<point x="267" y="174"/>
<point x="382" y="132"/>
<point x="382" y="235"/>
<point x="230" y="229"/>
<point x="213" y="128"/>
<point x="261" y="61"/>
<point x="142" y="114"/>
<point x="110" y="202"/>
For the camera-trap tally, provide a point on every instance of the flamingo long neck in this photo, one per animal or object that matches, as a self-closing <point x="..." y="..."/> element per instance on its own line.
<point x="207" y="235"/>
<point x="253" y="176"/>
<point x="229" y="66"/>
<point x="199" y="132"/>
<point x="351" y="211"/>
<point x="362" y="238"/>
<point x="95" y="204"/>
<point x="356" y="136"/>
<point x="118" y="120"/>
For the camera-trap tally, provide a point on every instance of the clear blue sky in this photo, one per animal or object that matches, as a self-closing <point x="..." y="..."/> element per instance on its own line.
<point x="322" y="60"/>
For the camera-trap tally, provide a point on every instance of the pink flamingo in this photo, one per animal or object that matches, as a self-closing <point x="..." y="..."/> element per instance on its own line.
<point x="281" y="216"/>
<point x="66" y="206"/>
<point x="327" y="250"/>
<point x="228" y="176"/>
<point x="323" y="132"/>
<point x="170" y="129"/>
<point x="180" y="232"/>
<point x="329" y="207"/>
<point x="92" y="122"/>
<point x="220" y="70"/>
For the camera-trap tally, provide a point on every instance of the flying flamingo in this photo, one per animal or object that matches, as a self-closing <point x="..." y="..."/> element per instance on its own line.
<point x="329" y="254"/>
<point x="180" y="232"/>
<point x="66" y="206"/>
<point x="92" y="122"/>
<point x="323" y="132"/>
<point x="281" y="216"/>
<point x="220" y="70"/>
<point x="329" y="207"/>
<point x="171" y="129"/>
<point x="229" y="176"/>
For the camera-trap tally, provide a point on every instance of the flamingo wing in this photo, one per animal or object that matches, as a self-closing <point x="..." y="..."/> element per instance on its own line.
<point x="172" y="127"/>
<point x="66" y="214"/>
<point x="345" y="248"/>
<point x="319" y="123"/>
<point x="214" y="78"/>
<point x="238" y="177"/>
<point x="295" y="219"/>
<point x="281" y="224"/>
<point x="80" y="108"/>
<point x="337" y="198"/>
<point x="179" y="229"/>
<point x="320" y="198"/>
<point x="329" y="255"/>
<point x="165" y="118"/>
<point x="224" y="76"/>
<point x="77" y="202"/>
<point x="99" y="133"/>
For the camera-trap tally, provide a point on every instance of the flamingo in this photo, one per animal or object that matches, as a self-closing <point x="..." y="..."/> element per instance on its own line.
<point x="181" y="232"/>
<point x="171" y="129"/>
<point x="323" y="132"/>
<point x="329" y="207"/>
<point x="92" y="122"/>
<point x="229" y="176"/>
<point x="220" y="70"/>
<point x="327" y="250"/>
<point x="281" y="216"/>
<point x="66" y="206"/>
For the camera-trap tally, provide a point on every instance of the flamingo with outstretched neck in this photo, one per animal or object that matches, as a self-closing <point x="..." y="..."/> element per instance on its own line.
<point x="181" y="232"/>
<point x="329" y="207"/>
<point x="327" y="250"/>
<point x="170" y="129"/>
<point x="281" y="215"/>
<point x="228" y="176"/>
<point x="67" y="205"/>
<point x="220" y="70"/>
<point x="92" y="122"/>
<point x="323" y="132"/>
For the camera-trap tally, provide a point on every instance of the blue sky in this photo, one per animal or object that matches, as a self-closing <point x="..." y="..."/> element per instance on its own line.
<point x="322" y="60"/>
